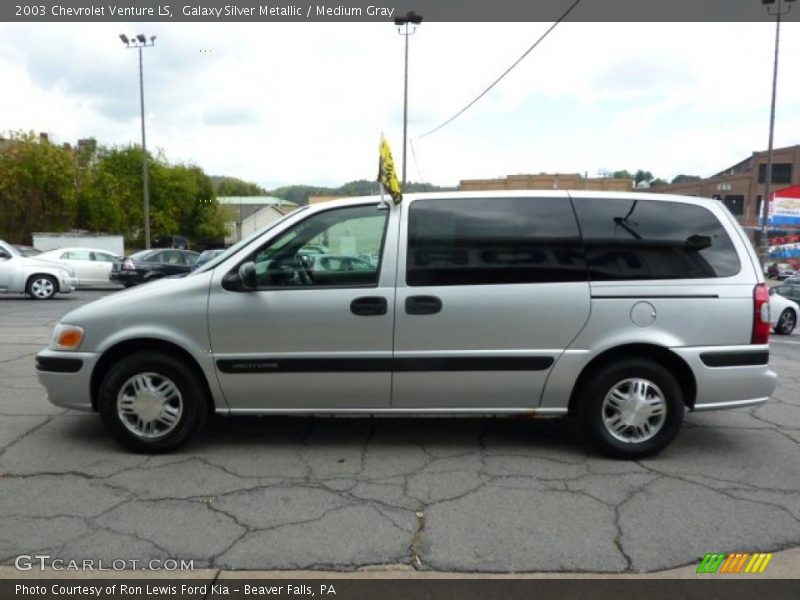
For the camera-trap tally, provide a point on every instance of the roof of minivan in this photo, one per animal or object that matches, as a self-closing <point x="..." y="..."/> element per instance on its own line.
<point x="525" y="194"/>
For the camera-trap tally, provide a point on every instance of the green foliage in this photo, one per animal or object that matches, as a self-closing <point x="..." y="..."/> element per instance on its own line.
<point x="685" y="178"/>
<point x="44" y="187"/>
<point x="37" y="187"/>
<point x="299" y="193"/>
<point x="231" y="186"/>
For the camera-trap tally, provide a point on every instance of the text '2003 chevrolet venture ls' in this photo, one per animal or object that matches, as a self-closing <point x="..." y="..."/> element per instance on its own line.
<point x="624" y="310"/>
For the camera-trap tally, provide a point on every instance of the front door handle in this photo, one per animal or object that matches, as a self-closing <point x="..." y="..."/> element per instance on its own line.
<point x="369" y="306"/>
<point x="423" y="305"/>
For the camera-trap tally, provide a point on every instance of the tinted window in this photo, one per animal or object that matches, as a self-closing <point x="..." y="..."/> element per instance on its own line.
<point x="493" y="241"/>
<point x="651" y="239"/>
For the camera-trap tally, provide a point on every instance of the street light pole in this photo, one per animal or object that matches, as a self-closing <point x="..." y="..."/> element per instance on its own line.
<point x="138" y="42"/>
<point x="779" y="12"/>
<point x="403" y="22"/>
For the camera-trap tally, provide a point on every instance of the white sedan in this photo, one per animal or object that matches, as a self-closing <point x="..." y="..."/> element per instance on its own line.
<point x="783" y="313"/>
<point x="37" y="279"/>
<point x="92" y="266"/>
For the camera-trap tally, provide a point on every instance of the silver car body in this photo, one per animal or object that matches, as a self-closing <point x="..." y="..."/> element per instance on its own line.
<point x="91" y="266"/>
<point x="16" y="270"/>
<point x="235" y="339"/>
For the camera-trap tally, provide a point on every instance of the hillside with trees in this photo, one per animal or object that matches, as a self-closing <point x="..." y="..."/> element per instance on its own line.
<point x="50" y="187"/>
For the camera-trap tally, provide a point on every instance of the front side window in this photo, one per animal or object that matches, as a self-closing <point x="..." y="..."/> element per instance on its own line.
<point x="492" y="241"/>
<point x="630" y="239"/>
<point x="324" y="250"/>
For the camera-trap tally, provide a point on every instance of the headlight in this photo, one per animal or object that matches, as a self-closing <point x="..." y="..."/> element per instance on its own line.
<point x="66" y="337"/>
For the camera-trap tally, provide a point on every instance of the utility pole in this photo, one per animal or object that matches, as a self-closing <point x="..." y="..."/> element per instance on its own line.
<point x="138" y="42"/>
<point x="402" y="28"/>
<point x="782" y="9"/>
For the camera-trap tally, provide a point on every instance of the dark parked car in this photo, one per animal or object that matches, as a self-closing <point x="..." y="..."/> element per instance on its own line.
<point x="148" y="265"/>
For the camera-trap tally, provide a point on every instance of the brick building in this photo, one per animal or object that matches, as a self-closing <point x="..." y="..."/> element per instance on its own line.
<point x="548" y="181"/>
<point x="741" y="186"/>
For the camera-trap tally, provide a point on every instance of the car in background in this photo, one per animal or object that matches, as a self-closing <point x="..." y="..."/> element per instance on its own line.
<point x="781" y="271"/>
<point x="92" y="266"/>
<point x="783" y="310"/>
<point x="336" y="262"/>
<point x="27" y="250"/>
<point x="205" y="256"/>
<point x="152" y="264"/>
<point x="36" y="278"/>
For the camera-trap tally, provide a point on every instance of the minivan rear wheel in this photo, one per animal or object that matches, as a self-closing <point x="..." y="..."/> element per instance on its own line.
<point x="632" y="408"/>
<point x="152" y="403"/>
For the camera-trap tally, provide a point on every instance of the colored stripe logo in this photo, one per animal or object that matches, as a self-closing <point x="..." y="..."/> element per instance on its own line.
<point x="734" y="563"/>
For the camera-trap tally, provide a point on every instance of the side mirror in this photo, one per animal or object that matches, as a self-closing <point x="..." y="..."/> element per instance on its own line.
<point x="4" y="254"/>
<point x="247" y="276"/>
<point x="243" y="280"/>
<point x="771" y="291"/>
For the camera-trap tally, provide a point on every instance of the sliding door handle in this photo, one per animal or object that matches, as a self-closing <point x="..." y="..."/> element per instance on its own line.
<point x="369" y="306"/>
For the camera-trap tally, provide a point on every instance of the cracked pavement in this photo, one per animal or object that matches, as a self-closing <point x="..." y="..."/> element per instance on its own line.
<point x="472" y="494"/>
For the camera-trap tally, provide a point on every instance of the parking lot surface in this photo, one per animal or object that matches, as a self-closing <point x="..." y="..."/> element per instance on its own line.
<point x="495" y="495"/>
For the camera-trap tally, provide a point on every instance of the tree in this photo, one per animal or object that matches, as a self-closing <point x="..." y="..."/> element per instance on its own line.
<point x="685" y="178"/>
<point x="658" y="181"/>
<point x="643" y="176"/>
<point x="37" y="187"/>
<point x="231" y="186"/>
<point x="624" y="174"/>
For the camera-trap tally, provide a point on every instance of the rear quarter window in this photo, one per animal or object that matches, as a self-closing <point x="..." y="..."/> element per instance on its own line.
<point x="629" y="239"/>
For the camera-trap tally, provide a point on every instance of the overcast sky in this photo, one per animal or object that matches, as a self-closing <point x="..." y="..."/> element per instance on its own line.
<point x="306" y="102"/>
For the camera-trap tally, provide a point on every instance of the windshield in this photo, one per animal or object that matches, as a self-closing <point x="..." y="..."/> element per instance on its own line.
<point x="141" y="255"/>
<point x="242" y="243"/>
<point x="10" y="249"/>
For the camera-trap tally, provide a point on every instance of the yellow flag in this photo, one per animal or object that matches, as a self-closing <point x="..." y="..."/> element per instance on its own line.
<point x="386" y="173"/>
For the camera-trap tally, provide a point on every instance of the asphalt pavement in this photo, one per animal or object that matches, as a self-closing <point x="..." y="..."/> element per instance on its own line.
<point x="464" y="495"/>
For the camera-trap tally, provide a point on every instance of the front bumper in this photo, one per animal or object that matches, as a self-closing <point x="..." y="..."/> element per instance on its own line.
<point x="729" y="376"/>
<point x="67" y="285"/>
<point x="67" y="377"/>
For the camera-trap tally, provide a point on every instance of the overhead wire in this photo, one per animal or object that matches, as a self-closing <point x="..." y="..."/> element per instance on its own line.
<point x="506" y="72"/>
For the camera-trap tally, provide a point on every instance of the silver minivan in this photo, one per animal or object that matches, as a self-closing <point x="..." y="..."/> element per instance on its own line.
<point x="624" y="310"/>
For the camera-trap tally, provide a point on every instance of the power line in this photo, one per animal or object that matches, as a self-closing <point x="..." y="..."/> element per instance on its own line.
<point x="506" y="72"/>
<point x="416" y="164"/>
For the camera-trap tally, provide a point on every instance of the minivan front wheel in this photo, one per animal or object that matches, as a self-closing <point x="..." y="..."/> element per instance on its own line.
<point x="632" y="409"/>
<point x="152" y="402"/>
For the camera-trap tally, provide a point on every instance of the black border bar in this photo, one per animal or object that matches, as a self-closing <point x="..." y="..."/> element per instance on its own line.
<point x="377" y="11"/>
<point x="467" y="588"/>
<point x="735" y="359"/>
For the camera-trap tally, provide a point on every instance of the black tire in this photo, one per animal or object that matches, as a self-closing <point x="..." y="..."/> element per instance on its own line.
<point x="786" y="322"/>
<point x="41" y="287"/>
<point x="195" y="403"/>
<point x="592" y="412"/>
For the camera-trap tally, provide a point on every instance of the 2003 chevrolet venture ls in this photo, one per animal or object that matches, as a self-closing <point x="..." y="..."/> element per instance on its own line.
<point x="622" y="309"/>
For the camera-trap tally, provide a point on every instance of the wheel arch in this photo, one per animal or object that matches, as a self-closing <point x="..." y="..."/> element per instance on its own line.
<point x="659" y="354"/>
<point x="143" y="344"/>
<point x="42" y="274"/>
